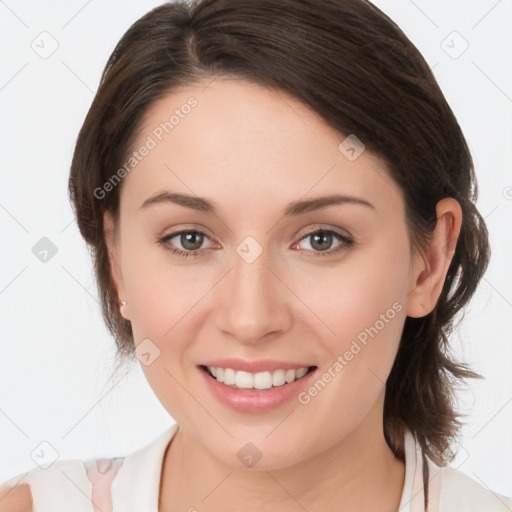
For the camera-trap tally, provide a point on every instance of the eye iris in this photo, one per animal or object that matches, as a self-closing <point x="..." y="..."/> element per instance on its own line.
<point x="196" y="239"/>
<point x="321" y="236"/>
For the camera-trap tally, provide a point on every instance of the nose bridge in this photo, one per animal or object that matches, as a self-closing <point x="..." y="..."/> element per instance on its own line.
<point x="252" y="301"/>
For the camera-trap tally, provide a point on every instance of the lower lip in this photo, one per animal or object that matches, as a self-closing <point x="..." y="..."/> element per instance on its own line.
<point x="244" y="400"/>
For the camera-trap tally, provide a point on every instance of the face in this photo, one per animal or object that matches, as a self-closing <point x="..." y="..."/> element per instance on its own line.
<point x="257" y="285"/>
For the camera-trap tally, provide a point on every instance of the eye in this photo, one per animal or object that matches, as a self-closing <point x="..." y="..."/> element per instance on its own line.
<point x="190" y="240"/>
<point x="321" y="240"/>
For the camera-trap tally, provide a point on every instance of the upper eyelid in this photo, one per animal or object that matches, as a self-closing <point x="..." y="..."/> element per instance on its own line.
<point x="326" y="229"/>
<point x="173" y="234"/>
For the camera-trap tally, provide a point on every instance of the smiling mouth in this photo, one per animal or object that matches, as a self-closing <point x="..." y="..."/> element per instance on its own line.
<point x="256" y="381"/>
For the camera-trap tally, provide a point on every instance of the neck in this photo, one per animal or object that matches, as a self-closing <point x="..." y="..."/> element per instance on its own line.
<point x="360" y="473"/>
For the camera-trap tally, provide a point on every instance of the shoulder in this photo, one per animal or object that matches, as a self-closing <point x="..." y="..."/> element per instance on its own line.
<point x="62" y="484"/>
<point x="17" y="498"/>
<point x="460" y="492"/>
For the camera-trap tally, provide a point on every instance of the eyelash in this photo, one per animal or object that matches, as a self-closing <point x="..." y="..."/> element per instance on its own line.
<point x="347" y="242"/>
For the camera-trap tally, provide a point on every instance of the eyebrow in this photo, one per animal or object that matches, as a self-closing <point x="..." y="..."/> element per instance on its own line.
<point x="202" y="204"/>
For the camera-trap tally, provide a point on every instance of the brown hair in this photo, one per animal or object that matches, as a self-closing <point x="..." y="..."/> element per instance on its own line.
<point x="352" y="65"/>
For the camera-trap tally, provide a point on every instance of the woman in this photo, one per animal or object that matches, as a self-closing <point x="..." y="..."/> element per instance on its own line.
<point x="281" y="209"/>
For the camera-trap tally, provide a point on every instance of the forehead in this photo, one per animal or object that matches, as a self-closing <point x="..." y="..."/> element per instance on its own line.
<point x="242" y="142"/>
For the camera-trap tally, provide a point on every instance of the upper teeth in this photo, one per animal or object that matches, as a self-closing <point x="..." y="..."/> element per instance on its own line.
<point x="260" y="380"/>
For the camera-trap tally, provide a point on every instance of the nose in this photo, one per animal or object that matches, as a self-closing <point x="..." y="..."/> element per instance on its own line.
<point x="252" y="302"/>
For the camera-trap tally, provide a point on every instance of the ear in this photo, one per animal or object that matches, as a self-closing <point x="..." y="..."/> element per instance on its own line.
<point x="114" y="260"/>
<point x="429" y="269"/>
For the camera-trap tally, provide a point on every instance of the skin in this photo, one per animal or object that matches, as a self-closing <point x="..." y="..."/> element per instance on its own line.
<point x="253" y="150"/>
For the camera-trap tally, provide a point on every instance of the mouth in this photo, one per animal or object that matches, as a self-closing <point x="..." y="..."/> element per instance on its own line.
<point x="260" y="381"/>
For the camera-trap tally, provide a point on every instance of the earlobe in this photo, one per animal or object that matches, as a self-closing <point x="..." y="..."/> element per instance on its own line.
<point x="430" y="269"/>
<point x="114" y="262"/>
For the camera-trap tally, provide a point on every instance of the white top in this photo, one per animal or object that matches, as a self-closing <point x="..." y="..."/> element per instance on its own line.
<point x="131" y="484"/>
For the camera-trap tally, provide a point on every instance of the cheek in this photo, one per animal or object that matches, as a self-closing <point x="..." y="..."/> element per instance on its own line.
<point x="165" y="298"/>
<point x="160" y="290"/>
<point x="365" y="312"/>
<point x="371" y="282"/>
<point x="363" y="307"/>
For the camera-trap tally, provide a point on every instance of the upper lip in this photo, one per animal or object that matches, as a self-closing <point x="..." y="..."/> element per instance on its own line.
<point x="262" y="365"/>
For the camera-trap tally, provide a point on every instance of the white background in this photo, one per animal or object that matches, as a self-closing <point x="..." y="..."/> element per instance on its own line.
<point x="56" y="354"/>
